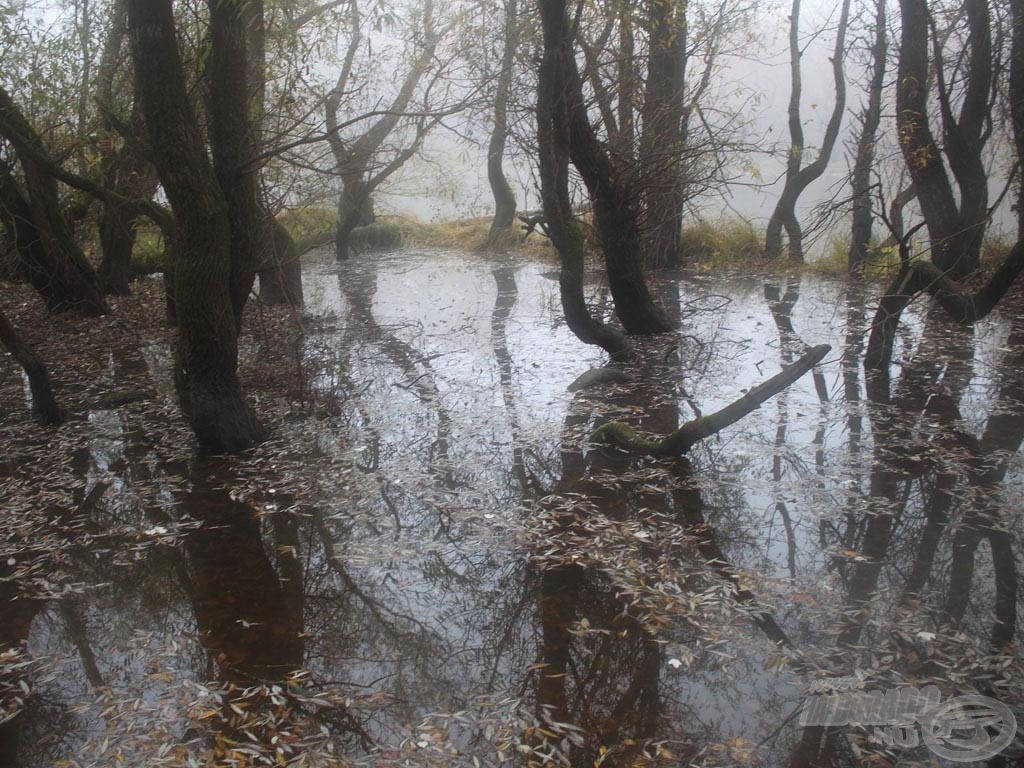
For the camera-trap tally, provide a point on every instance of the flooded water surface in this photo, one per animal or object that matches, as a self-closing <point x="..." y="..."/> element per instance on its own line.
<point x="431" y="563"/>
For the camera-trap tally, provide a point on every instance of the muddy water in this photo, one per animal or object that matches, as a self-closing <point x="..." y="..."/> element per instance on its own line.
<point x="430" y="564"/>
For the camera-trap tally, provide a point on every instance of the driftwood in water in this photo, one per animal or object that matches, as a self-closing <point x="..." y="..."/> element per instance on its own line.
<point x="684" y="438"/>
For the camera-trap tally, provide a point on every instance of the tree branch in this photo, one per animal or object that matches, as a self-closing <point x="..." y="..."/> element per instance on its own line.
<point x="684" y="438"/>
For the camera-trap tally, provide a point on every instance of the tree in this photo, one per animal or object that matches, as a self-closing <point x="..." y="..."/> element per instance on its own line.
<point x="207" y="351"/>
<point x="613" y="197"/>
<point x="800" y="176"/>
<point x="123" y="163"/>
<point x="44" y="404"/>
<point x="662" y="143"/>
<point x="940" y="277"/>
<point x="864" y="156"/>
<point x="553" y="140"/>
<point x="956" y="221"/>
<point x="233" y="147"/>
<point x="504" y="198"/>
<point x="358" y="160"/>
<point x="47" y="252"/>
<point x="650" y="71"/>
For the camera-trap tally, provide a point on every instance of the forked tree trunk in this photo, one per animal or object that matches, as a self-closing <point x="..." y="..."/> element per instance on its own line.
<point x="799" y="176"/>
<point x="207" y="352"/>
<point x="956" y="221"/>
<point x="613" y="198"/>
<point x="553" y="145"/>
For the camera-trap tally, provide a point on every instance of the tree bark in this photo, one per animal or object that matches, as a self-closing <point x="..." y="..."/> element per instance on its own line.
<point x="207" y="352"/>
<point x="955" y="229"/>
<point x="44" y="404"/>
<point x="798" y="176"/>
<point x="864" y="160"/>
<point x="501" y="232"/>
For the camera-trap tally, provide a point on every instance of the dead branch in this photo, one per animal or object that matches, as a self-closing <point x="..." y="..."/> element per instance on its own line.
<point x="684" y="438"/>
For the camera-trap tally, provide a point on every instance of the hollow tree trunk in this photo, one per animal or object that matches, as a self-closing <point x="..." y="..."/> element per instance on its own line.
<point x="207" y="351"/>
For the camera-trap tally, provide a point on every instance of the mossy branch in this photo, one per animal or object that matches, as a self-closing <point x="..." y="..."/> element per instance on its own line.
<point x="684" y="438"/>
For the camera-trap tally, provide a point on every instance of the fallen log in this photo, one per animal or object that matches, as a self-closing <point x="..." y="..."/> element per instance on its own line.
<point x="684" y="438"/>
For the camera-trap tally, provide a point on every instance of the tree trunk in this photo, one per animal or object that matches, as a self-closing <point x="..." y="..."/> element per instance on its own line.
<point x="613" y="198"/>
<point x="281" y="281"/>
<point x="955" y="230"/>
<point x="962" y="307"/>
<point x="233" y="148"/>
<point x="123" y="166"/>
<point x="798" y="176"/>
<point x="127" y="171"/>
<point x="864" y="161"/>
<point x="355" y="209"/>
<point x="207" y="352"/>
<point x="53" y="261"/>
<point x="661" y="146"/>
<point x="44" y="404"/>
<point x="553" y="150"/>
<point x="501" y="232"/>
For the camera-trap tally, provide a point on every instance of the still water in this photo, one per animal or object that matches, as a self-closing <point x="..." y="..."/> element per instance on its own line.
<point x="430" y="564"/>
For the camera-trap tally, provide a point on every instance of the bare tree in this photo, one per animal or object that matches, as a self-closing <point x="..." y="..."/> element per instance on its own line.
<point x="864" y="156"/>
<point x="956" y="220"/>
<point x="798" y="175"/>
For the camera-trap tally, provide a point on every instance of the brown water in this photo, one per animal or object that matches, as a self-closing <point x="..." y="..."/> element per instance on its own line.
<point x="429" y="564"/>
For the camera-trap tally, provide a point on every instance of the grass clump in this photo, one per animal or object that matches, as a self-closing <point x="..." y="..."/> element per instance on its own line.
<point x="731" y="242"/>
<point x="310" y="225"/>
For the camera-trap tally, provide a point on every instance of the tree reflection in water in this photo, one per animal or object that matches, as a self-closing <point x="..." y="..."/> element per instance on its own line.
<point x="431" y="563"/>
